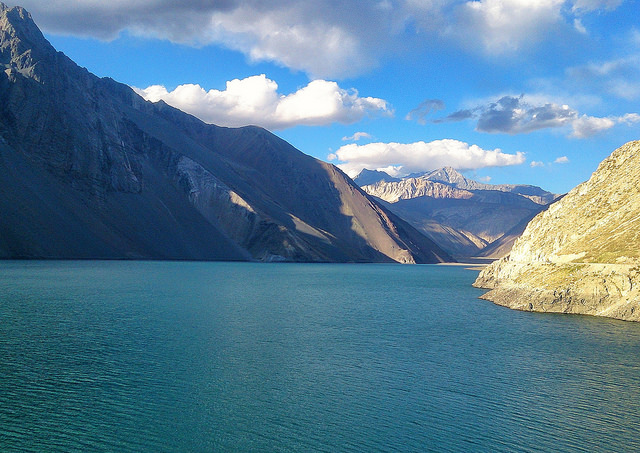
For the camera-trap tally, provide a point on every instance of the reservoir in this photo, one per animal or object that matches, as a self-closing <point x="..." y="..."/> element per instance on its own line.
<point x="198" y="357"/>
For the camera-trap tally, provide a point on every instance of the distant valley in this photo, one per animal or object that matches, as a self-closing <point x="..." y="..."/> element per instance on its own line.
<point x="467" y="218"/>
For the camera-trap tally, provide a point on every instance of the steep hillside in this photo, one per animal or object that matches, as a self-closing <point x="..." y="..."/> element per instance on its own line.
<point x="88" y="169"/>
<point x="583" y="254"/>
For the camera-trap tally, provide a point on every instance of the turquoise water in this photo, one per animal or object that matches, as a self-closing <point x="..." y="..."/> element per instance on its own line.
<point x="199" y="357"/>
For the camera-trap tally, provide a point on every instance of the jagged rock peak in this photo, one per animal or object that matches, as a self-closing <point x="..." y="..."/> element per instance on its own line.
<point x="22" y="44"/>
<point x="448" y="175"/>
<point x="16" y="22"/>
<point x="451" y="176"/>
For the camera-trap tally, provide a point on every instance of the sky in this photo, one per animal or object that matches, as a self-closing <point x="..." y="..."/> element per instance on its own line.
<point x="506" y="91"/>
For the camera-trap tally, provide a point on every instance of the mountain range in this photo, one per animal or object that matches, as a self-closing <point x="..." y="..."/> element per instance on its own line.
<point x="88" y="169"/>
<point x="466" y="217"/>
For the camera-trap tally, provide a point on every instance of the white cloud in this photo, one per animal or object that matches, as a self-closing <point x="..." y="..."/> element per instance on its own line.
<point x="295" y="35"/>
<point x="255" y="100"/>
<point x="561" y="160"/>
<point x="357" y="136"/>
<point x="324" y="38"/>
<point x="486" y="179"/>
<point x="401" y="159"/>
<point x="580" y="28"/>
<point x="536" y="163"/>
<point x="505" y="25"/>
<point x="629" y="118"/>
<point x="587" y="126"/>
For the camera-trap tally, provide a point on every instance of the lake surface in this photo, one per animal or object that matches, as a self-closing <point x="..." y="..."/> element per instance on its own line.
<point x="199" y="357"/>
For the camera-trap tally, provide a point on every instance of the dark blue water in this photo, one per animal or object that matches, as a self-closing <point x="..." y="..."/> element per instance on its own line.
<point x="198" y="357"/>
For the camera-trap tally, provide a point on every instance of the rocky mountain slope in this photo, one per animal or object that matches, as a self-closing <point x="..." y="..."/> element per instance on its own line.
<point x="88" y="169"/>
<point x="452" y="177"/>
<point x="465" y="217"/>
<point x="583" y="254"/>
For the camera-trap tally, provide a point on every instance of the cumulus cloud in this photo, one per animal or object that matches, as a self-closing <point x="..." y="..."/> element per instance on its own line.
<point x="357" y="136"/>
<point x="255" y="100"/>
<point x="324" y="38"/>
<point x="561" y="160"/>
<point x="501" y="26"/>
<point x="399" y="159"/>
<point x="629" y="118"/>
<point x="536" y="163"/>
<point x="426" y="107"/>
<point x="512" y="115"/>
<point x="297" y="35"/>
<point x="588" y="126"/>
<point x="525" y="114"/>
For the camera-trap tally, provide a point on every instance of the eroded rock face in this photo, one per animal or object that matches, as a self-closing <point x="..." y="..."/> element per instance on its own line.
<point x="583" y="254"/>
<point x="88" y="169"/>
<point x="414" y="188"/>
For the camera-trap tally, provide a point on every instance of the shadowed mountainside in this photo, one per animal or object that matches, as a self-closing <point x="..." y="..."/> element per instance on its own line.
<point x="88" y="169"/>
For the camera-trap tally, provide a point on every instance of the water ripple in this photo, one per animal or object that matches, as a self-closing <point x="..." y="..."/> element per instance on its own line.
<point x="198" y="357"/>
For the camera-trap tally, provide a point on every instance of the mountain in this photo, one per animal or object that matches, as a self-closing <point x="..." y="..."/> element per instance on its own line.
<point x="467" y="218"/>
<point x="449" y="175"/>
<point x="408" y="188"/>
<point x="583" y="254"/>
<point x="88" y="169"/>
<point x="366" y="177"/>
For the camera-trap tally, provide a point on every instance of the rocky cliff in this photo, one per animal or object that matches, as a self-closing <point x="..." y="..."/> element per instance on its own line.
<point x="583" y="254"/>
<point x="413" y="188"/>
<point x="88" y="169"/>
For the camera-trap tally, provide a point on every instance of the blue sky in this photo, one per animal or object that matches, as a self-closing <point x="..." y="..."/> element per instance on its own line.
<point x="509" y="91"/>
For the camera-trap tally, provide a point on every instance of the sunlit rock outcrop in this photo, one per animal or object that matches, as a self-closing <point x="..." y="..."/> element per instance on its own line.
<point x="583" y="254"/>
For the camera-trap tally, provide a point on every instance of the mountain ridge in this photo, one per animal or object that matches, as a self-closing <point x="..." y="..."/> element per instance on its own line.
<point x="133" y="179"/>
<point x="468" y="218"/>
<point x="453" y="178"/>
